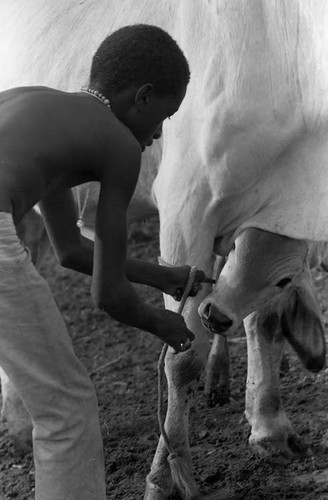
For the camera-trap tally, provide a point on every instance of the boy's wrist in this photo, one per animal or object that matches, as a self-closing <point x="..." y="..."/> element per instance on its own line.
<point x="166" y="278"/>
<point x="174" y="280"/>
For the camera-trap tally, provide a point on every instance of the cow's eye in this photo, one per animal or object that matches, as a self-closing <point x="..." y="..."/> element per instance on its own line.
<point x="282" y="283"/>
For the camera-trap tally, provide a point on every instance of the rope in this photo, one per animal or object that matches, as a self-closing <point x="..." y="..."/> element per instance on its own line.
<point x="161" y="414"/>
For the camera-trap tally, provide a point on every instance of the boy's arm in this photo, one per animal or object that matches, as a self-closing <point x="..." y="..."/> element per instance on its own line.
<point x="71" y="248"/>
<point x="74" y="251"/>
<point x="171" y="280"/>
<point x="111" y="289"/>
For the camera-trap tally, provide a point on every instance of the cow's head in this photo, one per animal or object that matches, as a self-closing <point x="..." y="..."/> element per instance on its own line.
<point x="268" y="271"/>
<point x="258" y="269"/>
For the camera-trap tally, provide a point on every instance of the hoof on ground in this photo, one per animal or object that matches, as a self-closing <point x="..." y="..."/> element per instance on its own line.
<point x="219" y="396"/>
<point x="154" y="492"/>
<point x="221" y="494"/>
<point x="281" y="451"/>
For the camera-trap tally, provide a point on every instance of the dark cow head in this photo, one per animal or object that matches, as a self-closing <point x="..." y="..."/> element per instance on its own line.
<point x="266" y="271"/>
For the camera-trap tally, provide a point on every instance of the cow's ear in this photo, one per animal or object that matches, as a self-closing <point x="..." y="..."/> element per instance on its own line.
<point x="302" y="326"/>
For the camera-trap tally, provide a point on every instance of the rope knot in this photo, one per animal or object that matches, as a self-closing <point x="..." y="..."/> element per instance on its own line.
<point x="190" y="282"/>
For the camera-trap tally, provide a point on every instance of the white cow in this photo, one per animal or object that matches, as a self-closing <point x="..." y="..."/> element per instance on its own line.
<point x="246" y="150"/>
<point x="266" y="281"/>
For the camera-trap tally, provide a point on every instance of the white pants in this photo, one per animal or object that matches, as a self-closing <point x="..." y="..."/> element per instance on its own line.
<point x="37" y="354"/>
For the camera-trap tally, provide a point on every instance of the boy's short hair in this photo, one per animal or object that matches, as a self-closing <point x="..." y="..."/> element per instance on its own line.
<point x="139" y="54"/>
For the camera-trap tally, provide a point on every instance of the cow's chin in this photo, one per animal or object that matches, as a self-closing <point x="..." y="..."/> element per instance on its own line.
<point x="216" y="328"/>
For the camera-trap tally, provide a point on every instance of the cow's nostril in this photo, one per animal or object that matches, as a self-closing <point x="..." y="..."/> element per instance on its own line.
<point x="207" y="311"/>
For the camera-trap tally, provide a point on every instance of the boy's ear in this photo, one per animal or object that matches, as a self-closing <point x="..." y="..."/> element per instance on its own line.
<point x="143" y="95"/>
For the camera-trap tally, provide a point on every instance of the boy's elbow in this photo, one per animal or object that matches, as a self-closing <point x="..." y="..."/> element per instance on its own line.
<point x="113" y="301"/>
<point x="111" y="308"/>
<point x="104" y="303"/>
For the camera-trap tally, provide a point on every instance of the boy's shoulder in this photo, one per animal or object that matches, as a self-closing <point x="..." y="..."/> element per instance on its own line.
<point x="74" y="111"/>
<point x="26" y="92"/>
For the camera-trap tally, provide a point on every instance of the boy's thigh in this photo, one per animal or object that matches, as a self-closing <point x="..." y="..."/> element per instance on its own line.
<point x="36" y="351"/>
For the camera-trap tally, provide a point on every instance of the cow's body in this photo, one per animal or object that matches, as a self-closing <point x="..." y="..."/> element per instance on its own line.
<point x="250" y="137"/>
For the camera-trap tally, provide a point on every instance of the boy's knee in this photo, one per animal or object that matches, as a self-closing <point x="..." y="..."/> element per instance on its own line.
<point x="80" y="406"/>
<point x="71" y="412"/>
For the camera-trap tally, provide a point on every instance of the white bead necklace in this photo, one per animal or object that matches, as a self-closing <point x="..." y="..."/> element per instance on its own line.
<point x="98" y="95"/>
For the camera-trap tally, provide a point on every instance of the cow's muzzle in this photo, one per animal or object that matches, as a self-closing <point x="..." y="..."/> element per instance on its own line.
<point x="213" y="319"/>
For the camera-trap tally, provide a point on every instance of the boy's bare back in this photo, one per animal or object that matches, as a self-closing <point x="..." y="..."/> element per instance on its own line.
<point x="52" y="140"/>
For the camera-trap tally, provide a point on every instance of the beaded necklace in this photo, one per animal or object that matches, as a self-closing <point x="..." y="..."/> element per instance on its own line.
<point x="98" y="95"/>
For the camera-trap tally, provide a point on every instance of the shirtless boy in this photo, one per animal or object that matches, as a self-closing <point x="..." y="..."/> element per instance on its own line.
<point x="51" y="141"/>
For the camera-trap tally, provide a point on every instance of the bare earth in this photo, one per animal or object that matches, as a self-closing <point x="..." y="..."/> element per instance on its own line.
<point x="127" y="392"/>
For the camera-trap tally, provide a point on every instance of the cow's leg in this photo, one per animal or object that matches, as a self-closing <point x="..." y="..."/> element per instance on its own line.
<point x="182" y="372"/>
<point x="188" y="226"/>
<point x="18" y="422"/>
<point x="13" y="412"/>
<point x="31" y="230"/>
<point x="217" y="384"/>
<point x="271" y="430"/>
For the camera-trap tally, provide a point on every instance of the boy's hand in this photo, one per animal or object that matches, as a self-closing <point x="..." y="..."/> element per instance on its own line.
<point x="171" y="329"/>
<point x="178" y="282"/>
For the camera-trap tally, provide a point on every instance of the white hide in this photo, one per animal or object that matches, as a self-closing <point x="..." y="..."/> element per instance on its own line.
<point x="257" y="114"/>
<point x="253" y="127"/>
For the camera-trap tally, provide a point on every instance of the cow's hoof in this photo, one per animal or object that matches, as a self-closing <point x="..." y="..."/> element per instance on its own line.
<point x="281" y="451"/>
<point x="219" y="396"/>
<point x="153" y="492"/>
<point x="221" y="494"/>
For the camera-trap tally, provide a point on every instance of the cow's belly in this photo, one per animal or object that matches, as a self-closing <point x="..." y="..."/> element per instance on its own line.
<point x="293" y="195"/>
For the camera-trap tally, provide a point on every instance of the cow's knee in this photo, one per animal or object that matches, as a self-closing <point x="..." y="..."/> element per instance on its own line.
<point x="184" y="368"/>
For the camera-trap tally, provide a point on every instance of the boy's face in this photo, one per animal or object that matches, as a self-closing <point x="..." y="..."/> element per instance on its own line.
<point x="151" y="112"/>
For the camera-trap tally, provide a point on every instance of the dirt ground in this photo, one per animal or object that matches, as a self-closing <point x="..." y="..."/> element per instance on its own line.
<point x="127" y="392"/>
